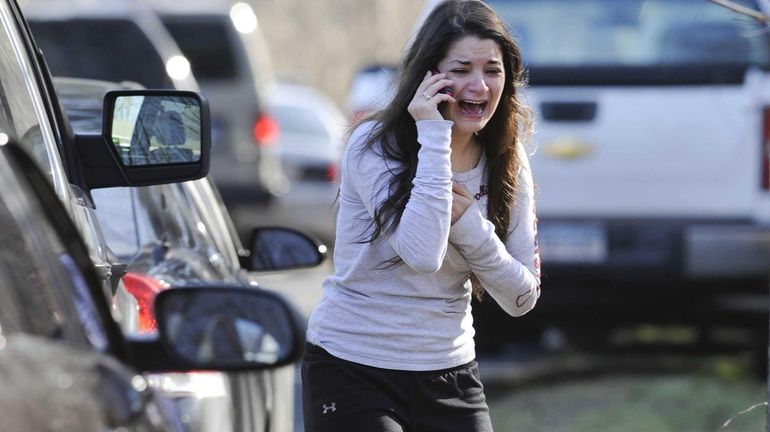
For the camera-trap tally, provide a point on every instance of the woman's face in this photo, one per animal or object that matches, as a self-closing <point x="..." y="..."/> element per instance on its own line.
<point x="476" y="68"/>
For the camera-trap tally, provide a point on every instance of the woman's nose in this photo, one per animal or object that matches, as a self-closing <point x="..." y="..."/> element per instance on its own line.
<point x="476" y="83"/>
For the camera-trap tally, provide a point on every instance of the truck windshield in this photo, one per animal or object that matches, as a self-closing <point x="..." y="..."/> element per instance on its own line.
<point x="661" y="35"/>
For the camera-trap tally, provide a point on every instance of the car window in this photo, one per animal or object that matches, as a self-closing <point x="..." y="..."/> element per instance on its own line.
<point x="83" y="105"/>
<point x="206" y="44"/>
<point x="116" y="213"/>
<point x="42" y="287"/>
<point x="135" y="219"/>
<point x="22" y="114"/>
<point x="634" y="33"/>
<point x="72" y="50"/>
<point x="205" y="199"/>
<point x="299" y="120"/>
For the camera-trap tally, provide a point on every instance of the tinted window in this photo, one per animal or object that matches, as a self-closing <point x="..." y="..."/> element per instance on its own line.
<point x="204" y="198"/>
<point x="42" y="287"/>
<point x="83" y="105"/>
<point x="106" y="49"/>
<point x="598" y="42"/>
<point x="298" y="120"/>
<point x="206" y="44"/>
<point x="21" y="112"/>
<point x="634" y="33"/>
<point x="140" y="223"/>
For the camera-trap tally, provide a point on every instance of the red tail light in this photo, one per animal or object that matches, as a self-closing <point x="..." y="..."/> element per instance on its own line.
<point x="144" y="288"/>
<point x="358" y="115"/>
<point x="265" y="130"/>
<point x="766" y="148"/>
<point x="331" y="172"/>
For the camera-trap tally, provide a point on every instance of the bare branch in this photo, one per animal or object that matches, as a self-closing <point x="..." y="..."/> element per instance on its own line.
<point x="735" y="7"/>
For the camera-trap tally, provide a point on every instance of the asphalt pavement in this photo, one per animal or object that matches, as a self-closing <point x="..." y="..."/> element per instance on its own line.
<point x="303" y="288"/>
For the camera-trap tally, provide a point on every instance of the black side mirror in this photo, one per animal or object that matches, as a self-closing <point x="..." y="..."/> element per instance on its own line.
<point x="228" y="328"/>
<point x="282" y="249"/>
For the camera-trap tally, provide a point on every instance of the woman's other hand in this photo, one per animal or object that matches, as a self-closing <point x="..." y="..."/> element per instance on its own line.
<point x="424" y="105"/>
<point x="461" y="200"/>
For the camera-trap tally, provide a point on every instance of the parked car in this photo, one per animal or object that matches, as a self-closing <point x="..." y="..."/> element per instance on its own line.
<point x="58" y="332"/>
<point x="181" y="234"/>
<point x="229" y="58"/>
<point x="651" y="162"/>
<point x="371" y="89"/>
<point x="32" y="115"/>
<point x="311" y="141"/>
<point x="55" y="293"/>
<point x="86" y="39"/>
<point x="173" y="235"/>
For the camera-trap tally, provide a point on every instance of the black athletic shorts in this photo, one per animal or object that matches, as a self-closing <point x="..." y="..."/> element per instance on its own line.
<point x="342" y="396"/>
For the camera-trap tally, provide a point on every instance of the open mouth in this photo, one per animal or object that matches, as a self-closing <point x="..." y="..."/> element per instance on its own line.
<point x="472" y="108"/>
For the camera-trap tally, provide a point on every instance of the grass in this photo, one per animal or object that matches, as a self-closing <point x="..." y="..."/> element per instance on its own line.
<point x="677" y="402"/>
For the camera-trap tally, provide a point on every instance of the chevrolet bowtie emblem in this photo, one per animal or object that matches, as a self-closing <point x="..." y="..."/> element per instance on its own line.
<point x="568" y="148"/>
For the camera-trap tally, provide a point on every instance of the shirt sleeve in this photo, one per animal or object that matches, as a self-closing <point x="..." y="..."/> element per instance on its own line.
<point x="510" y="271"/>
<point x="421" y="237"/>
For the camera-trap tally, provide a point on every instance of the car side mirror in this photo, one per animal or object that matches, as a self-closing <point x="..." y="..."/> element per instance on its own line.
<point x="274" y="248"/>
<point x="228" y="327"/>
<point x="148" y="137"/>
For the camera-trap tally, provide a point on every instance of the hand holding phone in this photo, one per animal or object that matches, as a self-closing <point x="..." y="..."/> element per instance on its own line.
<point x="445" y="90"/>
<point x="428" y="101"/>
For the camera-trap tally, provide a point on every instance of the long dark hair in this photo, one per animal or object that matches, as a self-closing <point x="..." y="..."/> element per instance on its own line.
<point x="395" y="135"/>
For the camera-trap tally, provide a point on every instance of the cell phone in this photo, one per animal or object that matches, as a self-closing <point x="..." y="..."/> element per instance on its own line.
<point x="445" y="90"/>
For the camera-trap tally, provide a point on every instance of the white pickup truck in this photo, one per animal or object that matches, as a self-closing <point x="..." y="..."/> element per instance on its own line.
<point x="651" y="158"/>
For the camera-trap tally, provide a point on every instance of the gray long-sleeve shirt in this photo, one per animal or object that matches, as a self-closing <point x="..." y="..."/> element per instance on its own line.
<point x="417" y="315"/>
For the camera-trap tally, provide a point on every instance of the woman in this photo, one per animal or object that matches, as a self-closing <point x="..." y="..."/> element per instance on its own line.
<point x="390" y="345"/>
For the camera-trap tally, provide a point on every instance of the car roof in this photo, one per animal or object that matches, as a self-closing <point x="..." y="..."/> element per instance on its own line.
<point x="290" y="93"/>
<point x="193" y="7"/>
<point x="144" y="17"/>
<point x="372" y="87"/>
<point x="309" y="98"/>
<point x="68" y="9"/>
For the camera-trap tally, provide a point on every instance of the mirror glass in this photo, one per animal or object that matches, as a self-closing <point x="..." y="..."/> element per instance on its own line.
<point x="226" y="328"/>
<point x="278" y="249"/>
<point x="157" y="129"/>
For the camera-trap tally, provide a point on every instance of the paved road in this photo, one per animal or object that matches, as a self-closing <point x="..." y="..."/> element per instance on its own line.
<point x="303" y="287"/>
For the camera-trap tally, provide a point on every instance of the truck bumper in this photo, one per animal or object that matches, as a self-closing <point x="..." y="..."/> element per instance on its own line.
<point x="726" y="251"/>
<point x="654" y="249"/>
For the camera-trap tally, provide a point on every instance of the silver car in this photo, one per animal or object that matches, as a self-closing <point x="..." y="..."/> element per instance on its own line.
<point x="181" y="234"/>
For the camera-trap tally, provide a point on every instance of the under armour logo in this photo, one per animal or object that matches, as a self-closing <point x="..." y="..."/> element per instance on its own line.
<point x="330" y="407"/>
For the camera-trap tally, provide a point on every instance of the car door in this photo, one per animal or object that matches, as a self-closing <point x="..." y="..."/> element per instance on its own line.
<point x="55" y="326"/>
<point x="26" y="116"/>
